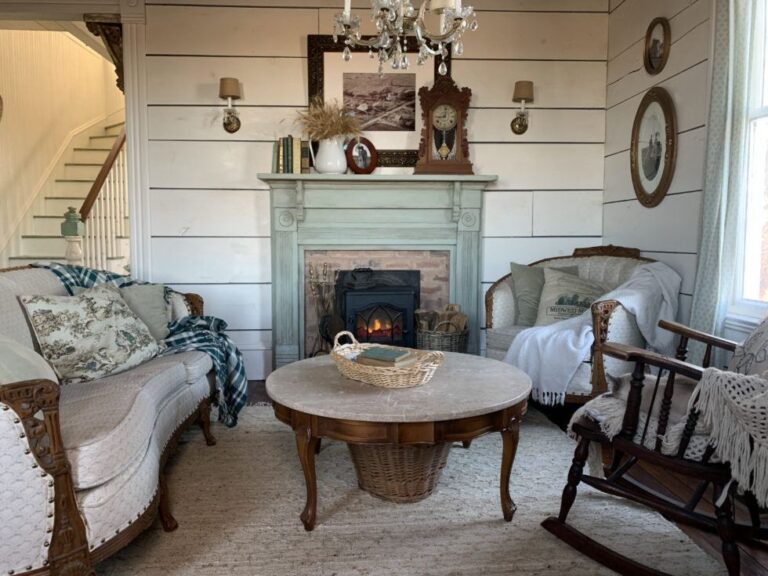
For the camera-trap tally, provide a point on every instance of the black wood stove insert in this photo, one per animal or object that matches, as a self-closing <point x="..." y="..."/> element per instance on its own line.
<point x="379" y="305"/>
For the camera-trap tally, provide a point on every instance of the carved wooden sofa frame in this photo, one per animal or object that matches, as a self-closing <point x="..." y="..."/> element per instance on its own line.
<point x="624" y="453"/>
<point x="602" y="312"/>
<point x="36" y="404"/>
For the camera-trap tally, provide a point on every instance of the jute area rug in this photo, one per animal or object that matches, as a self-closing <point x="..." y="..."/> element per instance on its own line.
<point x="238" y="506"/>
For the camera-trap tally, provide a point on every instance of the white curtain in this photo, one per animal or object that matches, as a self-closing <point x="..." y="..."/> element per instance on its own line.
<point x="724" y="185"/>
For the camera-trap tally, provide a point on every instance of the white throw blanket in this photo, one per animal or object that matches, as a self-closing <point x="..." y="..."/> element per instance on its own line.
<point x="552" y="354"/>
<point x="733" y="406"/>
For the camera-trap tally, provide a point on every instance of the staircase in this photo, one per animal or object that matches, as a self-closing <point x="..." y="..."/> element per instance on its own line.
<point x="40" y="238"/>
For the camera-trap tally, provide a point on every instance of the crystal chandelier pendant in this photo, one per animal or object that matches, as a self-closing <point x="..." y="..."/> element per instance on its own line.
<point x="395" y="21"/>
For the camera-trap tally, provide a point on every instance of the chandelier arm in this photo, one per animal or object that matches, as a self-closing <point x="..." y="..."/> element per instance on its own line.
<point x="424" y="32"/>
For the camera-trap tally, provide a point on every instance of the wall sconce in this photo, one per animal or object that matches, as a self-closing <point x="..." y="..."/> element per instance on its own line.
<point x="229" y="88"/>
<point x="523" y="93"/>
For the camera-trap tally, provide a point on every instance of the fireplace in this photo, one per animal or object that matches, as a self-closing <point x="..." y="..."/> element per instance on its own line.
<point x="378" y="305"/>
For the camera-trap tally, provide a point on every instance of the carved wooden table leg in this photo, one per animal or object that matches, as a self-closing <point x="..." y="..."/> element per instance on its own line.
<point x="510" y="436"/>
<point x="307" y="447"/>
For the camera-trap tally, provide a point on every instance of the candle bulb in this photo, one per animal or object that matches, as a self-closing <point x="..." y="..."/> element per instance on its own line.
<point x="457" y="7"/>
<point x="347" y="9"/>
<point x="436" y="5"/>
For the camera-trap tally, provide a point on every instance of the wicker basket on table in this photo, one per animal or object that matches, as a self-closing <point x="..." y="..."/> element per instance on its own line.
<point x="406" y="377"/>
<point x="437" y="339"/>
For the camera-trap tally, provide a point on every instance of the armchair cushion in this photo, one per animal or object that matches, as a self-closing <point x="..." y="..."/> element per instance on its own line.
<point x="565" y="296"/>
<point x="19" y="362"/>
<point x="91" y="335"/>
<point x="751" y="357"/>
<point x="527" y="284"/>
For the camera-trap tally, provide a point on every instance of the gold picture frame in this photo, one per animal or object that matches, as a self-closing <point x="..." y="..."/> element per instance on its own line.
<point x="653" y="152"/>
<point x="658" y="42"/>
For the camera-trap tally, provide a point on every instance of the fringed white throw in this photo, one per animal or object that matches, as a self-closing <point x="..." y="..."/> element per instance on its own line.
<point x="735" y="408"/>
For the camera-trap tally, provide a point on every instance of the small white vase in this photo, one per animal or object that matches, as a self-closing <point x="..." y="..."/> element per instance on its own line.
<point x="330" y="157"/>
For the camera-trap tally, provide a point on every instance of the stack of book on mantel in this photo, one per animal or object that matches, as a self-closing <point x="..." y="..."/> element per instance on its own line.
<point x="387" y="357"/>
<point x="290" y="156"/>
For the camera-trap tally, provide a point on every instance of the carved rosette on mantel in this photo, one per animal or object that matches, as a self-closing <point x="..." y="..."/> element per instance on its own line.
<point x="370" y="213"/>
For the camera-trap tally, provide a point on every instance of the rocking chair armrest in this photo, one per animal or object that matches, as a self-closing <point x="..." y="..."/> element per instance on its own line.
<point x="688" y="332"/>
<point x="633" y="354"/>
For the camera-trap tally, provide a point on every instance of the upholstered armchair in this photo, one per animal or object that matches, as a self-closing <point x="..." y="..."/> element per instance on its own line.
<point x="607" y="265"/>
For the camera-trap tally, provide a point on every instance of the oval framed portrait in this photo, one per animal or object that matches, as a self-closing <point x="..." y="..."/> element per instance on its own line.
<point x="653" y="151"/>
<point x="658" y="40"/>
<point x="362" y="156"/>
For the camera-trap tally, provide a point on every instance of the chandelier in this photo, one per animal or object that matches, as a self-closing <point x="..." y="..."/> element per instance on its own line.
<point x="396" y="20"/>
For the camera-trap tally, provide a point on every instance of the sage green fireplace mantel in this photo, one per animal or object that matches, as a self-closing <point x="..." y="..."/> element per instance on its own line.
<point x="370" y="212"/>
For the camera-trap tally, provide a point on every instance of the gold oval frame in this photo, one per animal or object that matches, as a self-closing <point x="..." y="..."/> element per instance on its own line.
<point x="647" y="45"/>
<point x="662" y="97"/>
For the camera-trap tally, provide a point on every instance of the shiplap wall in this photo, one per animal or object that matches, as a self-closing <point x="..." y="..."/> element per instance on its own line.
<point x="669" y="232"/>
<point x="209" y="213"/>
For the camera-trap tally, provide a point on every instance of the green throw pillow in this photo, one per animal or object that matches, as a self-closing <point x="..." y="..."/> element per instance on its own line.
<point x="565" y="296"/>
<point x="527" y="283"/>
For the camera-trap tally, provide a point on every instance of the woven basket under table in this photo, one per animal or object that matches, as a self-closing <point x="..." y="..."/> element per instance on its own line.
<point x="399" y="473"/>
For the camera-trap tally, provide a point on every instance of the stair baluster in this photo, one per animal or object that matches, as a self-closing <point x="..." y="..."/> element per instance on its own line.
<point x="104" y="210"/>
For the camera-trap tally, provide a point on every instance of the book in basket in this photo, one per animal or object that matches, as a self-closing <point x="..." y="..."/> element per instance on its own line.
<point x="386" y="357"/>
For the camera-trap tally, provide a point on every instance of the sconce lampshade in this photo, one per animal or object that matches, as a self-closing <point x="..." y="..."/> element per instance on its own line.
<point x="229" y="88"/>
<point x="523" y="91"/>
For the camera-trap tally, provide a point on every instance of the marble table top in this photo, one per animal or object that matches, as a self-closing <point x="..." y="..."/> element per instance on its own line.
<point x="462" y="387"/>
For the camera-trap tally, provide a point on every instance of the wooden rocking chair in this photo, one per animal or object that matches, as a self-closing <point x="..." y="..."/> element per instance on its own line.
<point x="630" y="448"/>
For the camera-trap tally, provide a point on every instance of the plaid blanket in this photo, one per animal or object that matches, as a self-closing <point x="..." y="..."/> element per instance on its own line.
<point x="201" y="333"/>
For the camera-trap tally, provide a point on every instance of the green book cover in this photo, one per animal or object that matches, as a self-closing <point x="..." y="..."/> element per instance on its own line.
<point x="305" y="157"/>
<point x="274" y="157"/>
<point x="383" y="354"/>
<point x="287" y="155"/>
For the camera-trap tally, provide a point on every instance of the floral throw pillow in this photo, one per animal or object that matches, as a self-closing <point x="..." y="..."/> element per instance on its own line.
<point x="89" y="336"/>
<point x="751" y="357"/>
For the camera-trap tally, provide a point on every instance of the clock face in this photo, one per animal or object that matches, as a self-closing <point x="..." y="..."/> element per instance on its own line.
<point x="444" y="117"/>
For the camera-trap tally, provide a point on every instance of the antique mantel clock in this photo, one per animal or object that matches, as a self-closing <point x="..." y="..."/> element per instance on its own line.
<point x="444" y="148"/>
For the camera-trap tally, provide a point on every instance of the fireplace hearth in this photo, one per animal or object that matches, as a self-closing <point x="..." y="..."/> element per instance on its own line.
<point x="378" y="305"/>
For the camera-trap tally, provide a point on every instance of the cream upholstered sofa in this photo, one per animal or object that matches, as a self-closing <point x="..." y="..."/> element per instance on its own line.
<point x="81" y="466"/>
<point x="610" y="266"/>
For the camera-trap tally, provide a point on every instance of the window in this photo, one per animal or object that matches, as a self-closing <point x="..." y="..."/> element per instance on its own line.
<point x="754" y="285"/>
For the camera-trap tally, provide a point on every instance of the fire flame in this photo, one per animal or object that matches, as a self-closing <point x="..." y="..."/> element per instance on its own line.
<point x="377" y="327"/>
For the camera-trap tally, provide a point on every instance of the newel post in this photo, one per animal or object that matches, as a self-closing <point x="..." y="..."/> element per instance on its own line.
<point x="73" y="230"/>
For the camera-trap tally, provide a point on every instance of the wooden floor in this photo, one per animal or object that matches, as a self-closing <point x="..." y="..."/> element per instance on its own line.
<point x="754" y="561"/>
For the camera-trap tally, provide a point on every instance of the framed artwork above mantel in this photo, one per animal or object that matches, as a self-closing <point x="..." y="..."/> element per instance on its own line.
<point x="386" y="105"/>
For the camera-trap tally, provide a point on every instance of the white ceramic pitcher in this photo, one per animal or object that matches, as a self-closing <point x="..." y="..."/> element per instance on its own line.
<point x="330" y="157"/>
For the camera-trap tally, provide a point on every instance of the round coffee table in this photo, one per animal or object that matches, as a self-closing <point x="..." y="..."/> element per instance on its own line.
<point x="468" y="396"/>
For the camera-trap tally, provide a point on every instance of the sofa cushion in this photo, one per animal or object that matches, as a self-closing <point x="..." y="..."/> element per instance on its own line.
<point x="113" y="506"/>
<point x="106" y="424"/>
<point x="89" y="336"/>
<point x="565" y="296"/>
<point x="13" y="320"/>
<point x="19" y="362"/>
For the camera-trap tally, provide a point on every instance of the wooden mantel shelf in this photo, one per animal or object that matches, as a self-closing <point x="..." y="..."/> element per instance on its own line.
<point x="363" y="178"/>
<point x="367" y="213"/>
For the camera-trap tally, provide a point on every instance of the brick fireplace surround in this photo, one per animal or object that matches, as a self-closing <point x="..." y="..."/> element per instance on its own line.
<point x="379" y="216"/>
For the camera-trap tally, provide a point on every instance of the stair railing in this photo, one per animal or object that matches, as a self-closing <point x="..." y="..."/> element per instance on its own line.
<point x="105" y="209"/>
